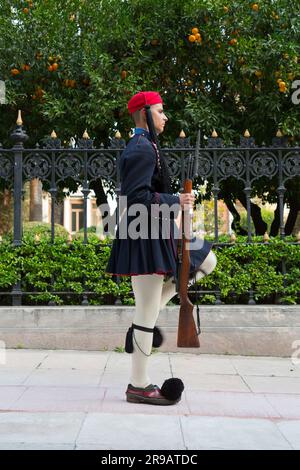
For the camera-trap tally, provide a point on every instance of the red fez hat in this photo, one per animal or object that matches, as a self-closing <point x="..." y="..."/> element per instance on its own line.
<point x="139" y="100"/>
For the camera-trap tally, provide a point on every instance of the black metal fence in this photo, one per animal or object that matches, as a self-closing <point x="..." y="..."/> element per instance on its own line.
<point x="52" y="164"/>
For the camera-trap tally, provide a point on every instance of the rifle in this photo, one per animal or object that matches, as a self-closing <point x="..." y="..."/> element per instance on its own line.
<point x="188" y="336"/>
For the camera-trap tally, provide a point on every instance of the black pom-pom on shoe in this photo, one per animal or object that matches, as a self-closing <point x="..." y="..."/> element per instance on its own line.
<point x="172" y="389"/>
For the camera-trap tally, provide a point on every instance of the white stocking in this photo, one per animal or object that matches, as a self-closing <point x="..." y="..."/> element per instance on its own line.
<point x="147" y="289"/>
<point x="169" y="288"/>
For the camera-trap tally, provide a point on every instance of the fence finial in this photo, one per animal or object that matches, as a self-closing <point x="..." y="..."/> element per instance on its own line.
<point x="182" y="134"/>
<point x="298" y="237"/>
<point x="247" y="134"/>
<point x="233" y="237"/>
<point x="19" y="119"/>
<point x="266" y="237"/>
<point x="85" y="135"/>
<point x="214" y="133"/>
<point x="118" y="135"/>
<point x="279" y="133"/>
<point x="53" y="135"/>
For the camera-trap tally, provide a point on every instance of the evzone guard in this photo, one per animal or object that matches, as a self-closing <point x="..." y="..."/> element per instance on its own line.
<point x="151" y="259"/>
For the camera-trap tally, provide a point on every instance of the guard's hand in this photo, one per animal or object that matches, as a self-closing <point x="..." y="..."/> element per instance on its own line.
<point x="187" y="200"/>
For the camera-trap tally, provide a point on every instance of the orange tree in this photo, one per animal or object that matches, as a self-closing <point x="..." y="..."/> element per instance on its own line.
<point x="224" y="64"/>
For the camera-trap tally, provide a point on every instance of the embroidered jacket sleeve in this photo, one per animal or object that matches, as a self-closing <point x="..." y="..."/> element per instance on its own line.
<point x="136" y="173"/>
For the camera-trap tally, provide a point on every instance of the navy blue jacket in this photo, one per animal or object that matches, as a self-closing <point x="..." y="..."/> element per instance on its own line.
<point x="140" y="183"/>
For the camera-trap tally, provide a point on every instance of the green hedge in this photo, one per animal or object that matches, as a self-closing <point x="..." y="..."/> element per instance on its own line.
<point x="73" y="267"/>
<point x="258" y="266"/>
<point x="77" y="267"/>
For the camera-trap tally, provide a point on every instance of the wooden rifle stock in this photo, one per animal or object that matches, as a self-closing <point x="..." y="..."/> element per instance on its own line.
<point x="187" y="336"/>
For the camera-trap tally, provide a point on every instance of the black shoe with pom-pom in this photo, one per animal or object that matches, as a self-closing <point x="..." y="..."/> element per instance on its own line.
<point x="169" y="394"/>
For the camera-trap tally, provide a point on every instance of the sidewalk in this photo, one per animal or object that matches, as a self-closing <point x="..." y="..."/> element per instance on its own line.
<point x="76" y="400"/>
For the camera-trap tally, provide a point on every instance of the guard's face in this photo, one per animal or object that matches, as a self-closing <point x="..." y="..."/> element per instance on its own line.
<point x="159" y="117"/>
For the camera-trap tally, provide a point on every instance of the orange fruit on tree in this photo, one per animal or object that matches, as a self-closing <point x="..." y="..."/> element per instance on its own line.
<point x="15" y="71"/>
<point x="233" y="42"/>
<point x="39" y="92"/>
<point x="50" y="68"/>
<point x="195" y="31"/>
<point x="255" y="7"/>
<point x="225" y="9"/>
<point x="54" y="66"/>
<point x="258" y="73"/>
<point x="123" y="74"/>
<point x="26" y="10"/>
<point x="198" y="37"/>
<point x="192" y="38"/>
<point x="282" y="85"/>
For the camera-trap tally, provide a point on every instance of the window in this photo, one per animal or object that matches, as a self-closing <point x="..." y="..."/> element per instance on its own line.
<point x="77" y="216"/>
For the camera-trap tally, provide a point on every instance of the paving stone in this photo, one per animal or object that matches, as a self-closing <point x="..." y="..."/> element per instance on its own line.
<point x="291" y="431"/>
<point x="232" y="433"/>
<point x="46" y="428"/>
<point x="131" y="432"/>
<point x="273" y="384"/>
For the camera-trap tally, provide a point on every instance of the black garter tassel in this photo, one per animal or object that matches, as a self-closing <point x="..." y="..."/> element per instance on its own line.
<point x="156" y="343"/>
<point x="128" y="341"/>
